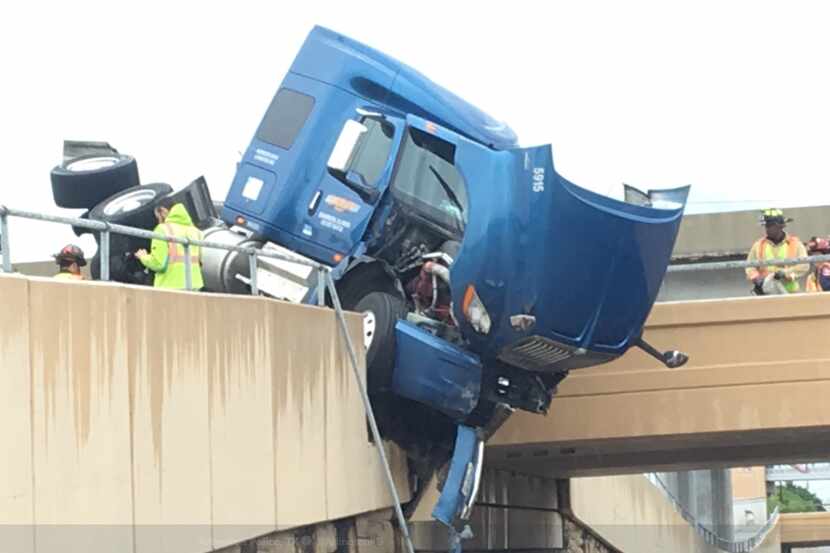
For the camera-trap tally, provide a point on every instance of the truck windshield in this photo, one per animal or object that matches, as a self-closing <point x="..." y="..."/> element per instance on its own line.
<point x="428" y="182"/>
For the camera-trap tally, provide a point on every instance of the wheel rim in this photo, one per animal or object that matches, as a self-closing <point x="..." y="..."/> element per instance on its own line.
<point x="369" y="324"/>
<point x="129" y="202"/>
<point x="91" y="163"/>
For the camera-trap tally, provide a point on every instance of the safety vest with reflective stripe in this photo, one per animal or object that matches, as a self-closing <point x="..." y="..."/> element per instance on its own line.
<point x="173" y="275"/>
<point x="166" y="258"/>
<point x="68" y="276"/>
<point x="766" y="250"/>
<point x="175" y="251"/>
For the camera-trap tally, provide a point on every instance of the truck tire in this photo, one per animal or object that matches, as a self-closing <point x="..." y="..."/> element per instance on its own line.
<point x="85" y="181"/>
<point x="381" y="311"/>
<point x="132" y="207"/>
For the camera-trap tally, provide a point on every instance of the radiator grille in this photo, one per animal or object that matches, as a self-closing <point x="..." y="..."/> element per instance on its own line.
<point x="536" y="354"/>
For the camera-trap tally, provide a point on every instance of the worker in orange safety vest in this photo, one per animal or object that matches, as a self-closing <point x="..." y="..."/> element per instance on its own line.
<point x="776" y="245"/>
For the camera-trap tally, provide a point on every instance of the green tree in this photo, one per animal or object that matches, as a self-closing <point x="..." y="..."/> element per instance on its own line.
<point x="793" y="499"/>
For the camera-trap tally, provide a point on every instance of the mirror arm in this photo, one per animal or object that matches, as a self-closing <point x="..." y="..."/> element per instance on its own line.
<point x="671" y="359"/>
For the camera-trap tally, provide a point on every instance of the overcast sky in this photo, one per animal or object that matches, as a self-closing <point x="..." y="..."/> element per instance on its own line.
<point x="731" y="97"/>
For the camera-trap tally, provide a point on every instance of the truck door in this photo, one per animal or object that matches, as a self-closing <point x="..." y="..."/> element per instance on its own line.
<point x="355" y="177"/>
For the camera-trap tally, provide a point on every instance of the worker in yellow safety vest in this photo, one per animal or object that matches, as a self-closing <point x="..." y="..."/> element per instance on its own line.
<point x="776" y="245"/>
<point x="70" y="260"/>
<point x="166" y="258"/>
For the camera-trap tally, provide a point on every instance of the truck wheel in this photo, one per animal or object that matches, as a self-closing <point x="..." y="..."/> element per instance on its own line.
<point x="88" y="180"/>
<point x="132" y="207"/>
<point x="380" y="311"/>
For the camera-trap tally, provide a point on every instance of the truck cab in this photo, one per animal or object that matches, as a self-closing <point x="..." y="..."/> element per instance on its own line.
<point x="484" y="276"/>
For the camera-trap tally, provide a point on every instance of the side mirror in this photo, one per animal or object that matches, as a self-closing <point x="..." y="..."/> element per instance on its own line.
<point x="672" y="359"/>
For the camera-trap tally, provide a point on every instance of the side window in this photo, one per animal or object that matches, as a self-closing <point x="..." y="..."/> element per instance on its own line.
<point x="285" y="118"/>
<point x="428" y="181"/>
<point x="362" y="148"/>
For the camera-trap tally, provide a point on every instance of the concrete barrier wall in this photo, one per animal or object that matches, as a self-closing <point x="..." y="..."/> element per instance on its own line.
<point x="633" y="515"/>
<point x="142" y="420"/>
<point x="804" y="530"/>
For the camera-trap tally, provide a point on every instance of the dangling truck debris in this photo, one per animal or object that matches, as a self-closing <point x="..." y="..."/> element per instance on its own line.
<point x="483" y="275"/>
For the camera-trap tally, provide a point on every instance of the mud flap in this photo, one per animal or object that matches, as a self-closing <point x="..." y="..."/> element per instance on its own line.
<point x="461" y="488"/>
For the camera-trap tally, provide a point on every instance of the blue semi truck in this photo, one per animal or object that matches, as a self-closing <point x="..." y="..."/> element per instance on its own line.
<point x="483" y="275"/>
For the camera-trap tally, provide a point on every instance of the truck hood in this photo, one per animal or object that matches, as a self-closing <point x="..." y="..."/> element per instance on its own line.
<point x="584" y="268"/>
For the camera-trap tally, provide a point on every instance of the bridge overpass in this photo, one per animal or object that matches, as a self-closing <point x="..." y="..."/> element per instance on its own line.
<point x="754" y="392"/>
<point x="148" y="420"/>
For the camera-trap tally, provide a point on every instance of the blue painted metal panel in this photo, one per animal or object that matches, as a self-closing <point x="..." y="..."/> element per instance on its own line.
<point x="459" y="486"/>
<point x="340" y="61"/>
<point x="434" y="372"/>
<point x="338" y="220"/>
<point x="586" y="266"/>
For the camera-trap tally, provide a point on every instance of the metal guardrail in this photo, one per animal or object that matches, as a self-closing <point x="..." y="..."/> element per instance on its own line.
<point x="711" y="537"/>
<point x="107" y="228"/>
<point x="324" y="282"/>
<point x="718" y="265"/>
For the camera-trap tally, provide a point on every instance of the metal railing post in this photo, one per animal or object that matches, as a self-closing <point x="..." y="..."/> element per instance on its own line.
<point x="321" y="287"/>
<point x="188" y="268"/>
<point x="252" y="264"/>
<point x="370" y="414"/>
<point x="104" y="248"/>
<point x="4" y="239"/>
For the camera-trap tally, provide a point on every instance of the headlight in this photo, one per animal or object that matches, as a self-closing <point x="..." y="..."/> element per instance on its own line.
<point x="475" y="312"/>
